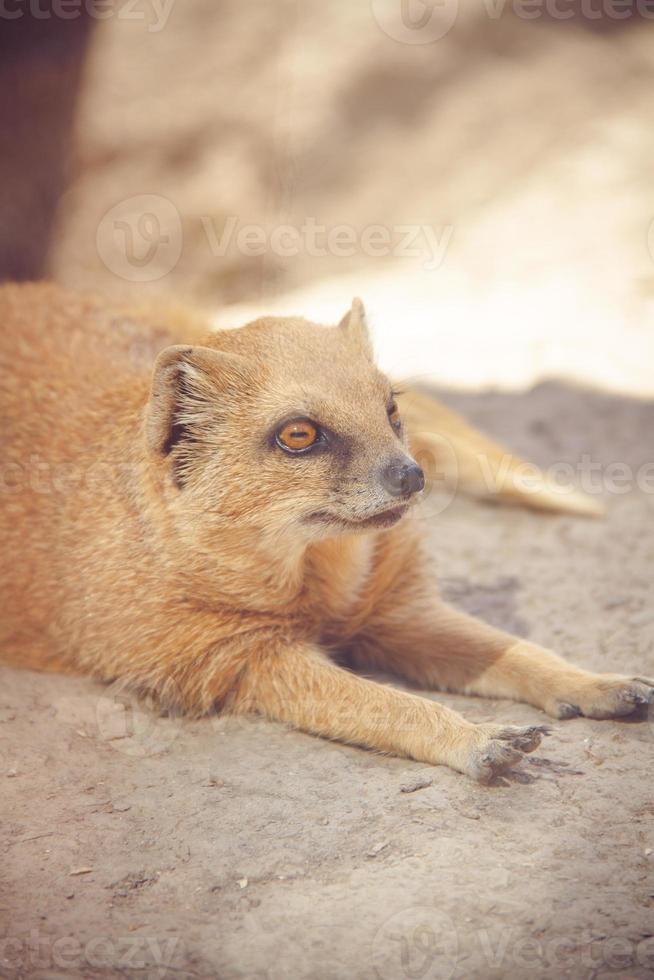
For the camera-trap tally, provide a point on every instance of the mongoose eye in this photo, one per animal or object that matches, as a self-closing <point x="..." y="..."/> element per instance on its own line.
<point x="297" y="436"/>
<point x="394" y="417"/>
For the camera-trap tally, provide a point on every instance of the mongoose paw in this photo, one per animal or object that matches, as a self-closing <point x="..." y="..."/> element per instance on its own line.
<point x="604" y="696"/>
<point x="502" y="748"/>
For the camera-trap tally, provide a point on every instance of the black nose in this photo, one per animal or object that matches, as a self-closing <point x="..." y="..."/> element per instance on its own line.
<point x="401" y="479"/>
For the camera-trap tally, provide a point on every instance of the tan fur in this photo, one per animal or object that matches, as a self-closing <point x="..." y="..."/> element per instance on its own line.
<point x="154" y="532"/>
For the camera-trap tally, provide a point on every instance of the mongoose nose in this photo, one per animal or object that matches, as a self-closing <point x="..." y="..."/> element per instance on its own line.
<point x="402" y="479"/>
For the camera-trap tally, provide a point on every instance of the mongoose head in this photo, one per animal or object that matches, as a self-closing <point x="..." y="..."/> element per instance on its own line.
<point x="281" y="425"/>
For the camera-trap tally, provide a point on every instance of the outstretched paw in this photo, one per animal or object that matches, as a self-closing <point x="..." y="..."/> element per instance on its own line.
<point x="501" y="748"/>
<point x="605" y="696"/>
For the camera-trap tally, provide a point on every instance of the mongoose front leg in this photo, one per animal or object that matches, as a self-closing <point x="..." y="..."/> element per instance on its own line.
<point x="437" y="646"/>
<point x="301" y="686"/>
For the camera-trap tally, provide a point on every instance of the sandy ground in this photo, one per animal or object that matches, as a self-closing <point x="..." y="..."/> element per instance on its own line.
<point x="139" y="847"/>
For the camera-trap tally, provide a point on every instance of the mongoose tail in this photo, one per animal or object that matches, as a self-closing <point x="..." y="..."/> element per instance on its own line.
<point x="453" y="452"/>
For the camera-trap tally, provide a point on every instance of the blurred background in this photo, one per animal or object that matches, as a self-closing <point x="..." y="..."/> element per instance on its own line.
<point x="479" y="173"/>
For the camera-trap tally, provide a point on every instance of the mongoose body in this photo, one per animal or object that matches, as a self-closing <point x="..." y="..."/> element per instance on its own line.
<point x="219" y="519"/>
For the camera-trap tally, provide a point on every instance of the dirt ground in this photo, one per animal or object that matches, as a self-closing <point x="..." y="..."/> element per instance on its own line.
<point x="143" y="847"/>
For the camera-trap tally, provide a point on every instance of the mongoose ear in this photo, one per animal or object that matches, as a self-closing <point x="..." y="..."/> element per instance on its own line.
<point x="355" y="326"/>
<point x="185" y="383"/>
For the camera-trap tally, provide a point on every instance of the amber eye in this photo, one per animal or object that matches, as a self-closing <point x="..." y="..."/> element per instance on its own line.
<point x="394" y="417"/>
<point x="297" y="436"/>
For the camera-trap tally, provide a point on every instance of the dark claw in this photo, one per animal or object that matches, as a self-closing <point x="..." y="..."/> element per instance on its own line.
<point x="569" y="710"/>
<point x="638" y="698"/>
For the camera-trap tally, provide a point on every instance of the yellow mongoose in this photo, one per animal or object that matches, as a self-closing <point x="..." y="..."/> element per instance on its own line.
<point x="219" y="528"/>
